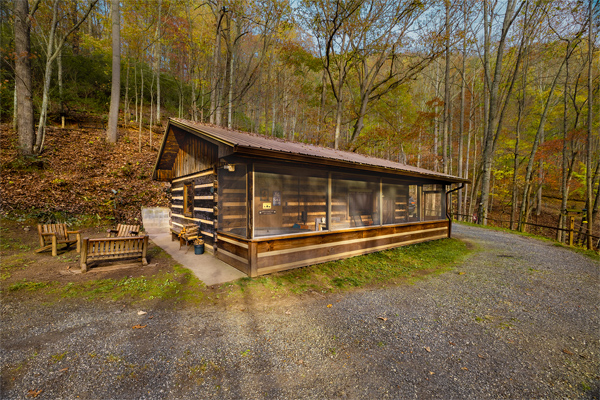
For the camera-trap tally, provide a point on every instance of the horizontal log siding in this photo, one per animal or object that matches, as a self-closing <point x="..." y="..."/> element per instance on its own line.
<point x="204" y="205"/>
<point x="265" y="256"/>
<point x="282" y="254"/>
<point x="234" y="252"/>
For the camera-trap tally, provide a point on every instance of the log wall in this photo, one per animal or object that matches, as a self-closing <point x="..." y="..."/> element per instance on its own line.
<point x="205" y="185"/>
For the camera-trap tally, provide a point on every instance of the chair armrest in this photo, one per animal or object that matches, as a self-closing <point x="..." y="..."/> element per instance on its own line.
<point x="48" y="234"/>
<point x="73" y="232"/>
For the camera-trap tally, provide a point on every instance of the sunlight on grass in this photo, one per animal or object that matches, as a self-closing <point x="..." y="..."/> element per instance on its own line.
<point x="408" y="263"/>
<point x="401" y="265"/>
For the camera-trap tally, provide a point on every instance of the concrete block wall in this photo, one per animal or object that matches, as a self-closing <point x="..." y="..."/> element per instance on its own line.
<point x="156" y="219"/>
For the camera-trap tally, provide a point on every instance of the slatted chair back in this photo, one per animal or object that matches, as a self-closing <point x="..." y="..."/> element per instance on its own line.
<point x="107" y="249"/>
<point x="124" y="231"/>
<point x="60" y="230"/>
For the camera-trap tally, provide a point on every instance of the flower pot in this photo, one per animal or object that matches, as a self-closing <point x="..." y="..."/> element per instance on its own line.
<point x="199" y="248"/>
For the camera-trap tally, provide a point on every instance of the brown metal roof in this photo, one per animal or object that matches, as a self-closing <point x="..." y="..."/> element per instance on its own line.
<point x="243" y="141"/>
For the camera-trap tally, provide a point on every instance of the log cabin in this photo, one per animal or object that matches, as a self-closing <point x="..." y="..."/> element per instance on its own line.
<point x="265" y="204"/>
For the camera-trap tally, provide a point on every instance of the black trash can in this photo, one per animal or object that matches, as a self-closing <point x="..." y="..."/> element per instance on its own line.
<point x="199" y="248"/>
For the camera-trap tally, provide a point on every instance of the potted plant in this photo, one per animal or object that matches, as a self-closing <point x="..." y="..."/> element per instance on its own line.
<point x="198" y="246"/>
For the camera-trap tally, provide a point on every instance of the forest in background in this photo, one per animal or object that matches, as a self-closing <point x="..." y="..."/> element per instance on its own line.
<point x="502" y="93"/>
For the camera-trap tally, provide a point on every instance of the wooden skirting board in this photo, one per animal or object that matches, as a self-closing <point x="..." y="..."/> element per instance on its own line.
<point x="267" y="255"/>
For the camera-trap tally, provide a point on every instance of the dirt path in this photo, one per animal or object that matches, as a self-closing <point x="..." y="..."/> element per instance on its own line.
<point x="519" y="319"/>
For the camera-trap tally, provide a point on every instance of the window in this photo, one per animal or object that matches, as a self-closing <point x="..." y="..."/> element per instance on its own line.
<point x="354" y="201"/>
<point x="232" y="201"/>
<point x="400" y="203"/>
<point x="188" y="199"/>
<point x="434" y="202"/>
<point x="289" y="200"/>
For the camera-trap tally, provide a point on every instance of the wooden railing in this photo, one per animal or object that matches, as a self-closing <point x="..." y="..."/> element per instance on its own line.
<point x="571" y="230"/>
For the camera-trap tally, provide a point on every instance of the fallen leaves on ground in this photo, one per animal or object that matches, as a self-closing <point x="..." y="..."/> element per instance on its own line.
<point x="382" y="318"/>
<point x="34" y="393"/>
<point x="76" y="173"/>
<point x="567" y="352"/>
<point x="329" y="305"/>
<point x="139" y="326"/>
<point x="427" y="349"/>
<point x="142" y="312"/>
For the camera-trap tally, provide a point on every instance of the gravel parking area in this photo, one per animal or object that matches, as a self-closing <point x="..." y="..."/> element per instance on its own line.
<point x="519" y="319"/>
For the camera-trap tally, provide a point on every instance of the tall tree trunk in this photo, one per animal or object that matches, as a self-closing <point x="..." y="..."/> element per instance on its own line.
<point x="590" y="120"/>
<point x="214" y="98"/>
<point x="492" y="117"/>
<point x="136" y="93"/>
<point x="14" y="120"/>
<point x="60" y="87"/>
<point x="41" y="129"/>
<point x="112" y="133"/>
<point x="23" y="88"/>
<point x="540" y="131"/>
<point x="126" y="115"/>
<point x="157" y="55"/>
<point x="141" y="108"/>
<point x="461" y="120"/>
<point x="446" y="121"/>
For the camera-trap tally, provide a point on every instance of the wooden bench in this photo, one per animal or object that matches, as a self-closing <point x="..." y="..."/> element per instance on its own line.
<point x="51" y="235"/>
<point x="106" y="249"/>
<point x="124" y="231"/>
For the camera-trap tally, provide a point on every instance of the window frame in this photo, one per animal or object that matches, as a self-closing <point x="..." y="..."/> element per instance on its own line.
<point x="188" y="206"/>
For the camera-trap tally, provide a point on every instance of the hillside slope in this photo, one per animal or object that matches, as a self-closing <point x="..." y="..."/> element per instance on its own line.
<point x="77" y="173"/>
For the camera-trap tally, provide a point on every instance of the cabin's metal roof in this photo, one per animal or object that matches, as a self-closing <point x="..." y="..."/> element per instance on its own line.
<point x="244" y="140"/>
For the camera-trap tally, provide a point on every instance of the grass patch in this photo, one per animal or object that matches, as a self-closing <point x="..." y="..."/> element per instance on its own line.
<point x="180" y="285"/>
<point x="29" y="285"/>
<point x="401" y="265"/>
<point x="409" y="263"/>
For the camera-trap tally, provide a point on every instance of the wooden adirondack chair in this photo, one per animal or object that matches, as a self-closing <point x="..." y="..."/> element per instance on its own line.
<point x="124" y="231"/>
<point x="51" y="235"/>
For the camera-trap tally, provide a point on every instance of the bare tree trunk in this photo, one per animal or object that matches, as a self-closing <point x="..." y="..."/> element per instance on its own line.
<point x="151" y="119"/>
<point x="590" y="120"/>
<point x="492" y="116"/>
<point x="15" y="112"/>
<point x="126" y="115"/>
<point x="215" y="64"/>
<point x="141" y="108"/>
<point x="136" y="93"/>
<point x="51" y="54"/>
<point x="41" y="129"/>
<point x="112" y="132"/>
<point x="60" y="87"/>
<point x="446" y="122"/>
<point x="539" y="133"/>
<point x="157" y="52"/>
<point x="538" y="210"/>
<point x="23" y="88"/>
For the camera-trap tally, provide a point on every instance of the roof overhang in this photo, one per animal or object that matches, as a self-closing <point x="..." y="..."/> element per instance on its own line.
<point x="227" y="147"/>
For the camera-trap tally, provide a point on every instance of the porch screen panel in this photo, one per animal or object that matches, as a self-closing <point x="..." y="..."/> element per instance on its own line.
<point x="434" y="202"/>
<point x="232" y="201"/>
<point x="289" y="201"/>
<point x="354" y="201"/>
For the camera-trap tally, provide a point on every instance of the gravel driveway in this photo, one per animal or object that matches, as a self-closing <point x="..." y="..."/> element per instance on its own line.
<point x="519" y="319"/>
